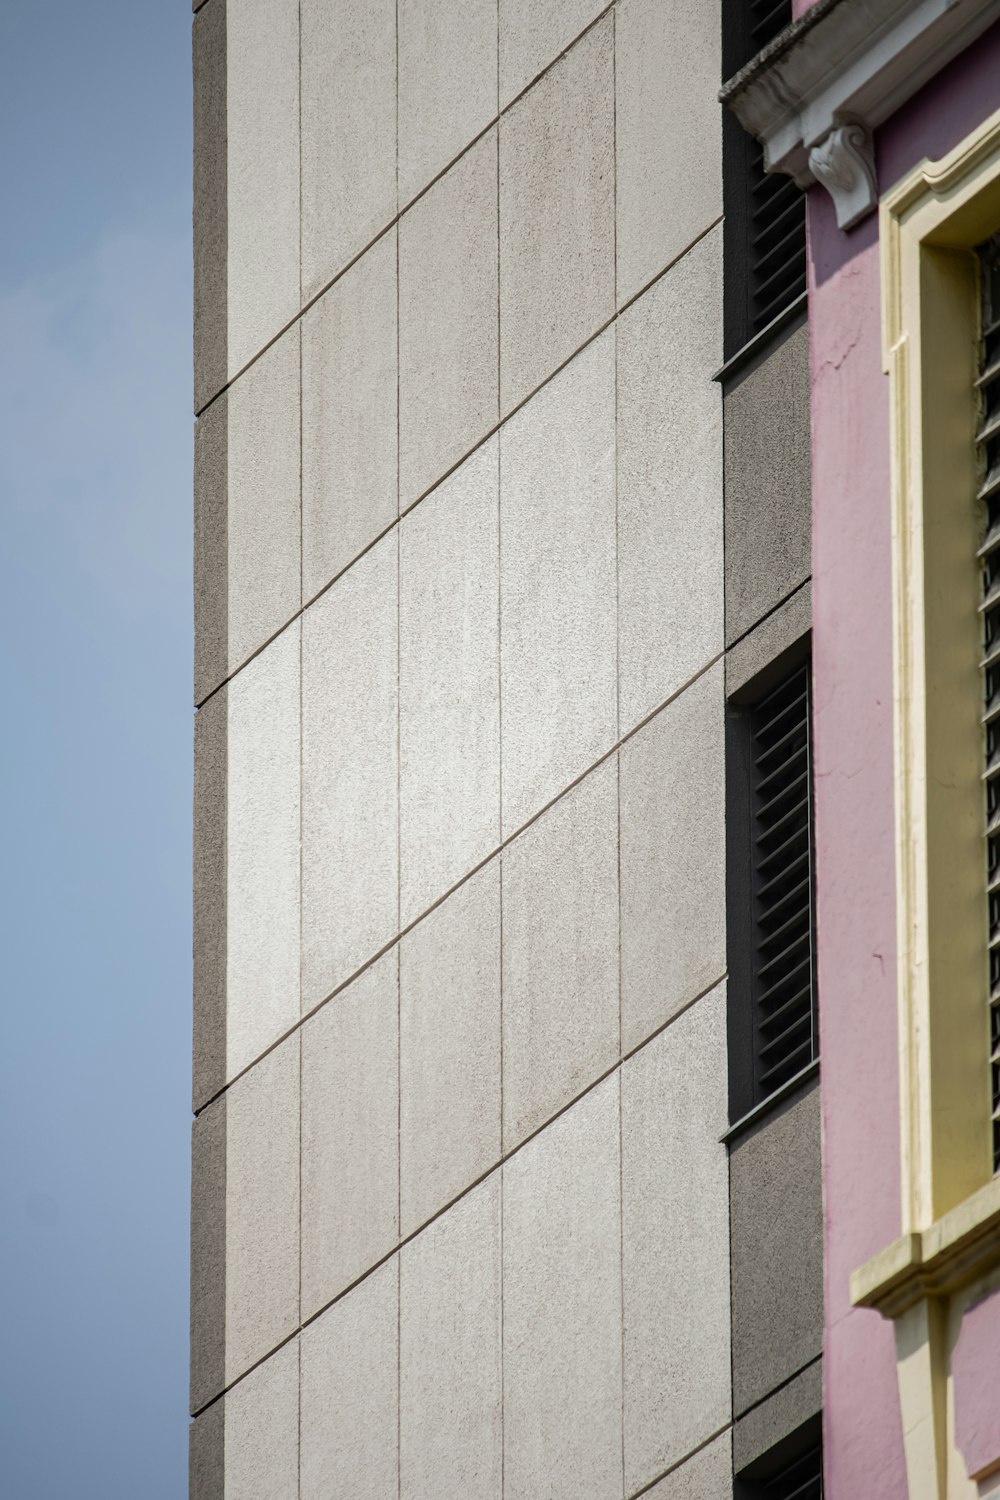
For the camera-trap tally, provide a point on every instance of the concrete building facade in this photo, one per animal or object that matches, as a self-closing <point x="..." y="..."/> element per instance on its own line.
<point x="493" y="531"/>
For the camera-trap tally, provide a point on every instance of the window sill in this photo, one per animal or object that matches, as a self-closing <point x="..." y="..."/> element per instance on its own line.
<point x="765" y="1107"/>
<point x="755" y="347"/>
<point x="954" y="1251"/>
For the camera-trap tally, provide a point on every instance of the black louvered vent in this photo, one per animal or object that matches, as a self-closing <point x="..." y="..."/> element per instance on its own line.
<point x="765" y="19"/>
<point x="784" y="1039"/>
<point x="801" y="1480"/>
<point x="777" y="229"/>
<point x="988" y="438"/>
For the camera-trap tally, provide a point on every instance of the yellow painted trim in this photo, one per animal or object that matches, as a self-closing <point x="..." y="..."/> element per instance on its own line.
<point x="929" y="225"/>
<point x="939" y="1261"/>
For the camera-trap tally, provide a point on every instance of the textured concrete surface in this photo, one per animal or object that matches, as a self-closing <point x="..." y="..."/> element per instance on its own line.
<point x="562" y="1371"/>
<point x="349" y="378"/>
<point x="448" y="320"/>
<point x="447" y="84"/>
<point x="211" y="728"/>
<point x="557" y="215"/>
<point x="348" y="132"/>
<point x="262" y="1431"/>
<point x="673" y="858"/>
<point x="777" y="1249"/>
<point x="449" y="1065"/>
<point x="349" y="772"/>
<point x="557" y="583"/>
<point x="788" y="624"/>
<point x="675" y="1255"/>
<point x="350" y="1134"/>
<point x="778" y="1416"/>
<point x="350" y="1410"/>
<point x="247" y="581"/>
<point x="207" y="1455"/>
<point x="670" y="568"/>
<point x="668" y="133"/>
<point x="456" y="678"/>
<point x="262" y="913"/>
<point x="262" y="172"/>
<point x="211" y="547"/>
<point x="768" y="457"/>
<point x="211" y="203"/>
<point x="560" y="954"/>
<point x="706" y="1476"/>
<point x="533" y="36"/>
<point x="449" y="690"/>
<point x="450" y="1439"/>
<point x="262" y="1208"/>
<point x="264" y="587"/>
<point x="208" y="1266"/>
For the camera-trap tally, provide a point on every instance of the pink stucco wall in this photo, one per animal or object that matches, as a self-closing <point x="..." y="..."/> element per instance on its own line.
<point x="852" y="656"/>
<point x="974" y="1366"/>
<point x="852" y="644"/>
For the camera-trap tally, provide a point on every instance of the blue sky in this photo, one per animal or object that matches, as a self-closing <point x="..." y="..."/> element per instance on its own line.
<point x="95" y="652"/>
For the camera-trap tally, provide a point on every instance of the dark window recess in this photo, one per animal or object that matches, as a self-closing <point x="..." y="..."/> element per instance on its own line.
<point x="765" y="18"/>
<point x="777" y="250"/>
<point x="791" y="1471"/>
<point x="801" y="1480"/>
<point x="765" y="215"/>
<point x="988" y="439"/>
<point x="773" y="1021"/>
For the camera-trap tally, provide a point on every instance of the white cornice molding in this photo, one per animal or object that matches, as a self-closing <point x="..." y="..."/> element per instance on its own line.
<point x="815" y="95"/>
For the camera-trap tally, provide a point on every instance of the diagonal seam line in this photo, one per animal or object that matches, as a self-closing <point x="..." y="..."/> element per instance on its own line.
<point x="501" y="1161"/>
<point x="480" y="443"/>
<point x="386" y="228"/>
<point x="440" y="900"/>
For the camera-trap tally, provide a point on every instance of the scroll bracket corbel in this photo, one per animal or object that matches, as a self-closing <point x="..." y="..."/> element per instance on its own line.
<point x="844" y="162"/>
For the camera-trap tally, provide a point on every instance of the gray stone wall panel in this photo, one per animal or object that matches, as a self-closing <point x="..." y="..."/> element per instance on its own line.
<point x="262" y="1430"/>
<point x="775" y="634"/>
<point x="348" y="132"/>
<point x="562" y="1372"/>
<point x="557" y="215"/>
<point x="557" y="584"/>
<point x="778" y="1416"/>
<point x="350" y="1386"/>
<point x="211" y="548"/>
<point x="768" y="484"/>
<point x="262" y="1208"/>
<point x="211" y="202"/>
<point x="207" y="1455"/>
<point x="777" y="1249"/>
<point x="208" y="1268"/>
<point x="264" y="501"/>
<point x="262" y="852"/>
<point x="447" y="84"/>
<point x="670" y="568"/>
<point x="449" y="1072"/>
<point x="349" y="417"/>
<point x="533" y="36"/>
<point x="449" y="683"/>
<point x="262" y="38"/>
<point x="448" y="269"/>
<point x="210" y="850"/>
<point x="706" y="1476"/>
<point x="450" y="1364"/>
<point x="673" y="859"/>
<point x="350" y="1134"/>
<point x="350" y="731"/>
<point x="560" y="954"/>
<point x="668" y="132"/>
<point x="675" y="1253"/>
